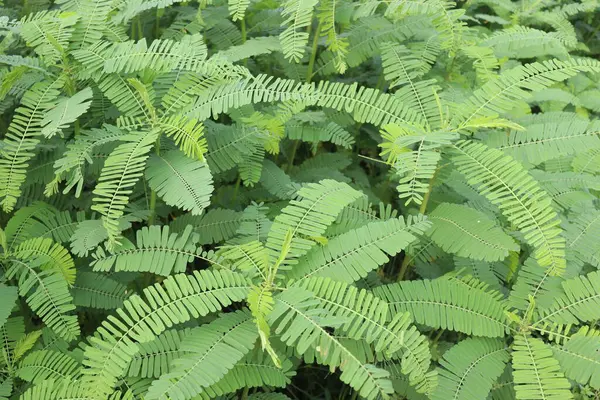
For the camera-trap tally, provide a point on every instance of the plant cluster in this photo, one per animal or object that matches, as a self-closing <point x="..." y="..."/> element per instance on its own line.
<point x="299" y="199"/>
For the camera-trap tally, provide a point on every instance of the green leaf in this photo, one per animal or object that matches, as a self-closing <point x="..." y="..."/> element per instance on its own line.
<point x="177" y="299"/>
<point x="579" y="357"/>
<point x="210" y="351"/>
<point x="8" y="297"/>
<point x="536" y="373"/>
<point x="470" y="368"/>
<point x="308" y="217"/>
<point x="441" y="303"/>
<point x="180" y="181"/>
<point x="352" y="255"/>
<point x="122" y="169"/>
<point x="509" y="186"/>
<point x="469" y="233"/>
<point x="66" y="112"/>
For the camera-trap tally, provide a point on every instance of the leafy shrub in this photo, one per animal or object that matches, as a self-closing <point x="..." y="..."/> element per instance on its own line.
<point x="303" y="199"/>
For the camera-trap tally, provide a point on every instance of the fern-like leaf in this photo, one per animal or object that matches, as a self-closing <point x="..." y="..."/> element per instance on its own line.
<point x="508" y="185"/>
<point x="121" y="171"/>
<point x="470" y="368"/>
<point x="297" y="15"/>
<point x="480" y="237"/>
<point x="536" y="373"/>
<point x="352" y="255"/>
<point x="441" y="303"/>
<point x="317" y="207"/>
<point x="178" y="299"/>
<point x="180" y="181"/>
<point x="22" y="137"/>
<point x="210" y="352"/>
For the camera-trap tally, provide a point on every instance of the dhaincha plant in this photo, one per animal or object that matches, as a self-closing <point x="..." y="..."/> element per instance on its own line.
<point x="299" y="199"/>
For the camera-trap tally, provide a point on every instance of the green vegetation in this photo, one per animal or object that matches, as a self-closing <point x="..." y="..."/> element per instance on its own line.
<point x="303" y="199"/>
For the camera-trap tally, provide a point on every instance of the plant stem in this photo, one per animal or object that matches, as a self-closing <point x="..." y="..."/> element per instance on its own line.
<point x="243" y="28"/>
<point x="71" y="88"/>
<point x="237" y="188"/>
<point x="157" y="23"/>
<point x="152" y="192"/>
<point x="313" y="54"/>
<point x="245" y="393"/>
<point x="438" y="336"/>
<point x="294" y="149"/>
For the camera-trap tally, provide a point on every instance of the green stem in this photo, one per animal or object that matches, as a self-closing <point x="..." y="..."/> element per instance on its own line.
<point x="245" y="393"/>
<point x="243" y="28"/>
<point x="294" y="149"/>
<point x="71" y="88"/>
<point x="157" y="23"/>
<point x="438" y="336"/>
<point x="237" y="188"/>
<point x="313" y="54"/>
<point x="152" y="216"/>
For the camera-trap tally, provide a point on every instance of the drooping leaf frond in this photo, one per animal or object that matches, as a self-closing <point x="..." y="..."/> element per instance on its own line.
<point x="579" y="302"/>
<point x="350" y="256"/>
<point x="154" y="358"/>
<point x="214" y="226"/>
<point x="121" y="171"/>
<point x="47" y="255"/>
<point x="415" y="168"/>
<point x="180" y="181"/>
<point x="335" y="43"/>
<point x="441" y="303"/>
<point x="365" y="104"/>
<point x="317" y="207"/>
<point x="498" y="96"/>
<point x="178" y="299"/>
<point x="97" y="291"/>
<point x="88" y="29"/>
<point x="254" y="370"/>
<point x="251" y="48"/>
<point x="302" y="327"/>
<point x="579" y="357"/>
<point x="524" y="42"/>
<point x="507" y="184"/>
<point x="156" y="250"/>
<point x="481" y="238"/>
<point x="470" y="368"/>
<point x="48" y="33"/>
<point x="22" y="137"/>
<point x="536" y="373"/>
<point x="237" y="8"/>
<point x="366" y="317"/>
<point x="161" y="55"/>
<point x="47" y="293"/>
<point x="66" y="112"/>
<point x="8" y="295"/>
<point x="545" y="141"/>
<point x="210" y="351"/>
<point x="42" y="365"/>
<point x="297" y="15"/>
<point x="72" y="164"/>
<point x="534" y="282"/>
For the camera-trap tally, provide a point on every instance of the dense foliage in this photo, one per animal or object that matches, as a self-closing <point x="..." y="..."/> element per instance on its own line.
<point x="306" y="199"/>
